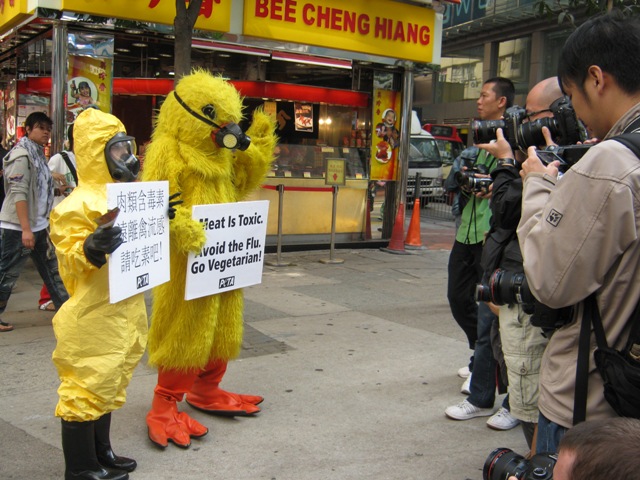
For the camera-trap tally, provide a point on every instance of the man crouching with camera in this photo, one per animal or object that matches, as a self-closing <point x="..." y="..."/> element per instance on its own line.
<point x="504" y="282"/>
<point x="580" y="235"/>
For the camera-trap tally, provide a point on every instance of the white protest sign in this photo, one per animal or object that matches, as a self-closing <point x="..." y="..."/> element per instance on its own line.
<point x="142" y="261"/>
<point x="234" y="252"/>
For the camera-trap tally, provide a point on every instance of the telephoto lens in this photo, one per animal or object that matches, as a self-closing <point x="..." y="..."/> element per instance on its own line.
<point x="503" y="463"/>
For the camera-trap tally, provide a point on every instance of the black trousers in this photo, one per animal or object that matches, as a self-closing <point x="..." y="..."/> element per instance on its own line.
<point x="464" y="274"/>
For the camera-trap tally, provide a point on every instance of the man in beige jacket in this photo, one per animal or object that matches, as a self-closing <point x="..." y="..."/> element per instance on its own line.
<point x="580" y="235"/>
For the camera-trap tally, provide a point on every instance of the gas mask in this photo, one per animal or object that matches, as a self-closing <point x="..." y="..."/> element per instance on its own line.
<point x="120" y="153"/>
<point x="229" y="135"/>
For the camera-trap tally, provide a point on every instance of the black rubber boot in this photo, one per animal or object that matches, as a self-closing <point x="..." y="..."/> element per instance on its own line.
<point x="78" y="445"/>
<point x="105" y="454"/>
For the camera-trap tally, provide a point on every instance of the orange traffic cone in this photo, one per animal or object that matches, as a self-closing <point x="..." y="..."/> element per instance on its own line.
<point x="413" y="240"/>
<point x="396" y="245"/>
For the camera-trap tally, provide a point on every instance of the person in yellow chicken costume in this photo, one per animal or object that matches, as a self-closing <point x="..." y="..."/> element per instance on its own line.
<point x="199" y="148"/>
<point x="98" y="343"/>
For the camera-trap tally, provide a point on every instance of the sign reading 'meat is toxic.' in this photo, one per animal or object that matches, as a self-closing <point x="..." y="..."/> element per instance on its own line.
<point x="233" y="254"/>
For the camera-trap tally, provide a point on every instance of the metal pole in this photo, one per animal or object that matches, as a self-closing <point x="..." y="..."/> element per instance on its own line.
<point x="279" y="262"/>
<point x="58" y="85"/>
<point x="405" y="132"/>
<point x="333" y="229"/>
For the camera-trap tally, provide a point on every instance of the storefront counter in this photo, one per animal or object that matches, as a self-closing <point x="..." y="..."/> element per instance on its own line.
<point x="307" y="208"/>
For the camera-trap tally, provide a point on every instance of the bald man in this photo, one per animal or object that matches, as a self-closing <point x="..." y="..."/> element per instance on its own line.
<point x="522" y="343"/>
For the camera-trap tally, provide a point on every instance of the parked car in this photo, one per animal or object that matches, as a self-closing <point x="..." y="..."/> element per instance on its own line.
<point x="425" y="160"/>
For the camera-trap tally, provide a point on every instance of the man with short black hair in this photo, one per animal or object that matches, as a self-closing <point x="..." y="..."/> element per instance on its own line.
<point x="465" y="272"/>
<point x="581" y="235"/>
<point x="24" y="216"/>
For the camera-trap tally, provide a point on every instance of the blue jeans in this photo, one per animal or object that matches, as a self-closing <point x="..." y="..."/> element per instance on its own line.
<point x="12" y="260"/>
<point x="483" y="379"/>
<point x="549" y="435"/>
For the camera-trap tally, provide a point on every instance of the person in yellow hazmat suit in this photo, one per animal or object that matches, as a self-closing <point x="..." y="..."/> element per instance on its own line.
<point x="98" y="343"/>
<point x="199" y="148"/>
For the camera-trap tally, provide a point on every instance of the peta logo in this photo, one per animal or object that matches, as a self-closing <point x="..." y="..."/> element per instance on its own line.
<point x="554" y="217"/>
<point x="142" y="281"/>
<point x="227" y="282"/>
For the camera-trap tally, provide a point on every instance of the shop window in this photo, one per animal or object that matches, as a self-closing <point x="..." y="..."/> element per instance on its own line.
<point x="309" y="133"/>
<point x="460" y="76"/>
<point x="553" y="43"/>
<point x="514" y="59"/>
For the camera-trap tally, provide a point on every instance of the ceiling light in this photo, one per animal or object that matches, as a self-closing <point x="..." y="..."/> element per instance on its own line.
<point x="231" y="48"/>
<point x="170" y="37"/>
<point x="139" y="44"/>
<point x="123" y="50"/>
<point x="224" y="55"/>
<point x="153" y="58"/>
<point x="309" y="59"/>
<point x="134" y="31"/>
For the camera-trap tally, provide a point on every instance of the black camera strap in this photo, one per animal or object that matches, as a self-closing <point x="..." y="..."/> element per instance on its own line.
<point x="70" y="166"/>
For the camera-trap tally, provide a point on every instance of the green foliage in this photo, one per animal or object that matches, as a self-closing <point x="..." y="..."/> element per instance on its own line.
<point x="566" y="11"/>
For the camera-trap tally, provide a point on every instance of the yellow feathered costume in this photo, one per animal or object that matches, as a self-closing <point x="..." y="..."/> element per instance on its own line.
<point x="191" y="341"/>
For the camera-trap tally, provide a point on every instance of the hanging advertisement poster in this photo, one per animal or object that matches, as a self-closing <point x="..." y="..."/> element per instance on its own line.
<point x="89" y="84"/>
<point x="10" y="114"/>
<point x="386" y="136"/>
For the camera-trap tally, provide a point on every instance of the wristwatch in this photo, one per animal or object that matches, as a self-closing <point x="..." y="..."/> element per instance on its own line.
<point x="507" y="162"/>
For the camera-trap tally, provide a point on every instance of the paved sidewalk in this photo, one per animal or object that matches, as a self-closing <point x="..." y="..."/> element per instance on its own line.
<point x="357" y="363"/>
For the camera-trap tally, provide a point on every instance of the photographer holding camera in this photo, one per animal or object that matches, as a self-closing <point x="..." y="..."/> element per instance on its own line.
<point x="464" y="272"/>
<point x="594" y="450"/>
<point x="522" y="343"/>
<point x="581" y="235"/>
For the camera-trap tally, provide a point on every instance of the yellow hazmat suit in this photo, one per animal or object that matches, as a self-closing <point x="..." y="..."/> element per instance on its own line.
<point x="187" y="338"/>
<point x="98" y="343"/>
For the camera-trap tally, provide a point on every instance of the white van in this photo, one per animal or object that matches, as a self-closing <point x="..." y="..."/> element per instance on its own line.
<point x="424" y="159"/>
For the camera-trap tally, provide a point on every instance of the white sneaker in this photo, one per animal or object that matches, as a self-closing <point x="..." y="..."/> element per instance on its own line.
<point x="464" y="372"/>
<point x="466" y="411"/>
<point x="466" y="386"/>
<point x="502" y="420"/>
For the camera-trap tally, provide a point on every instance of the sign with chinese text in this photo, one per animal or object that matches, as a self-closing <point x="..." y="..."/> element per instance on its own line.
<point x="334" y="168"/>
<point x="385" y="138"/>
<point x="233" y="255"/>
<point x="379" y="27"/>
<point x="142" y="261"/>
<point x="215" y="15"/>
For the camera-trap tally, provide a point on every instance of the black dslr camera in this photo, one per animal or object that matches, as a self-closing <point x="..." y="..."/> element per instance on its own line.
<point x="503" y="463"/>
<point x="564" y="127"/>
<point x="567" y="155"/>
<point x="509" y="288"/>
<point x="468" y="178"/>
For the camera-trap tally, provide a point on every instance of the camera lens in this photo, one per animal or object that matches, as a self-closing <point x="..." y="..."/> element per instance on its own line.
<point x="461" y="179"/>
<point x="483" y="293"/>
<point x="501" y="463"/>
<point x="485" y="130"/>
<point x="530" y="134"/>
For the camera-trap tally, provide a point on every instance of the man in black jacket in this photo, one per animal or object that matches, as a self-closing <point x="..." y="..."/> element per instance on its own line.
<point x="522" y="343"/>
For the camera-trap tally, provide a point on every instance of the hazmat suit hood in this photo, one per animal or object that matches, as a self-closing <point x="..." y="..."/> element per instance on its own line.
<point x="91" y="132"/>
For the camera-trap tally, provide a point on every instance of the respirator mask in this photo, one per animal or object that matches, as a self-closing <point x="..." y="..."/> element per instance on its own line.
<point x="229" y="135"/>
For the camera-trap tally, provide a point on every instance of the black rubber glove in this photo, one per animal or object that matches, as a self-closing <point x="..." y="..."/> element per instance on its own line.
<point x="172" y="211"/>
<point x="99" y="243"/>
